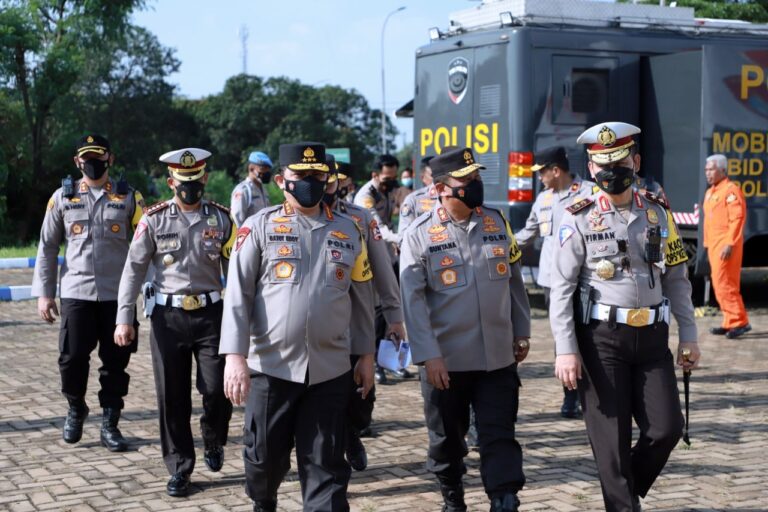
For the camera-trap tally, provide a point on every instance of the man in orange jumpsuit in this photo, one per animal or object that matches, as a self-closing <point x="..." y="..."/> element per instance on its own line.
<point x="725" y="212"/>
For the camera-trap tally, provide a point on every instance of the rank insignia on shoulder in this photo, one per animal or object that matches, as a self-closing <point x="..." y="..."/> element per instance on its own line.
<point x="280" y="220"/>
<point x="579" y="206"/>
<point x="219" y="206"/>
<point x="656" y="199"/>
<point x="157" y="207"/>
<point x="340" y="235"/>
<point x="442" y="214"/>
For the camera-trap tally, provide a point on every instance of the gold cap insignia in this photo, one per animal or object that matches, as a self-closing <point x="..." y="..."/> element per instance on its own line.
<point x="606" y="137"/>
<point x="309" y="155"/>
<point x="89" y="139"/>
<point x="188" y="159"/>
<point x="468" y="157"/>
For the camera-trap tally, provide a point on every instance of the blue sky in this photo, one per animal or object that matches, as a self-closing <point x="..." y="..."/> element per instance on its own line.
<point x="318" y="42"/>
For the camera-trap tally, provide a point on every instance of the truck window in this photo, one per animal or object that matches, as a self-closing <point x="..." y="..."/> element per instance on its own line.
<point x="590" y="91"/>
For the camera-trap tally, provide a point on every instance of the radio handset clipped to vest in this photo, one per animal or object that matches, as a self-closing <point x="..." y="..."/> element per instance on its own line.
<point x="653" y="250"/>
<point x="68" y="187"/>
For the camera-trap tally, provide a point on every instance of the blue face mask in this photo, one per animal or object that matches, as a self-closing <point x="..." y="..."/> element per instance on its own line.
<point x="407" y="182"/>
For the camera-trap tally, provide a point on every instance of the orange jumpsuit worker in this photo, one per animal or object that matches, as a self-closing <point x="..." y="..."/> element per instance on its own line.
<point x="725" y="212"/>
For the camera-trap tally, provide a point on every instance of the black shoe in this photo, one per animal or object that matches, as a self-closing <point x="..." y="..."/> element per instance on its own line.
<point x="636" y="506"/>
<point x="367" y="432"/>
<point x="73" y="426"/>
<point x="264" y="507"/>
<point x="111" y="437"/>
<point x="355" y="451"/>
<point x="506" y="503"/>
<point x="570" y="408"/>
<point x="738" y="331"/>
<point x="214" y="458"/>
<point x="178" y="485"/>
<point x="402" y="374"/>
<point x="718" y="331"/>
<point x="453" y="497"/>
<point x="381" y="377"/>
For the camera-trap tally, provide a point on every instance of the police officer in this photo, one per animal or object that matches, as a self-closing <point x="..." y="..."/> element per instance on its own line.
<point x="645" y="183"/>
<point x="378" y="196"/>
<point x="249" y="196"/>
<point x="346" y="190"/>
<point x="561" y="189"/>
<point x="298" y="278"/>
<point x="188" y="240"/>
<point x="620" y="255"/>
<point x="94" y="217"/>
<point x="468" y="319"/>
<point x="420" y="201"/>
<point x="360" y="411"/>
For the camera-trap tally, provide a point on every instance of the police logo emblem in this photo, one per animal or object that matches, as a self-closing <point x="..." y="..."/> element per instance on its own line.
<point x="501" y="268"/>
<point x="340" y="274"/>
<point x="309" y="155"/>
<point x="283" y="270"/>
<point x="468" y="157"/>
<point x="335" y="255"/>
<point x="606" y="137"/>
<point x="89" y="140"/>
<point x="77" y="229"/>
<point x="448" y="277"/>
<point x="115" y="228"/>
<point x="458" y="79"/>
<point x="605" y="269"/>
<point x="187" y="159"/>
<point x="653" y="217"/>
<point x="597" y="224"/>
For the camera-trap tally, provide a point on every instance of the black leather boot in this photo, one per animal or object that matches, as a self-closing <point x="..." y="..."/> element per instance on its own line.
<point x="73" y="425"/>
<point x="453" y="496"/>
<point x="507" y="503"/>
<point x="111" y="438"/>
<point x="355" y="451"/>
<point x="570" y="408"/>
<point x="214" y="458"/>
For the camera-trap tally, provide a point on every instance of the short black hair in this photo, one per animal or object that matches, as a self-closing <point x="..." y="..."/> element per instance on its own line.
<point x="425" y="161"/>
<point x="388" y="160"/>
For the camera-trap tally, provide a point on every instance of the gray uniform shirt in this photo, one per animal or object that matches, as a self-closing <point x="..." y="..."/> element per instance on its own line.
<point x="462" y="290"/>
<point x="420" y="201"/>
<point x="544" y="220"/>
<point x="385" y="281"/>
<point x="593" y="231"/>
<point x="248" y="197"/>
<point x="294" y="285"/>
<point x="381" y="207"/>
<point x="96" y="232"/>
<point x="188" y="251"/>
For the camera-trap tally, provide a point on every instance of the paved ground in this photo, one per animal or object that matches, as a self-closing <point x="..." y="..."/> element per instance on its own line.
<point x="723" y="470"/>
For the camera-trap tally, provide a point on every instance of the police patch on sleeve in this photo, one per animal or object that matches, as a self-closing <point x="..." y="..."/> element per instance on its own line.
<point x="565" y="233"/>
<point x="242" y="234"/>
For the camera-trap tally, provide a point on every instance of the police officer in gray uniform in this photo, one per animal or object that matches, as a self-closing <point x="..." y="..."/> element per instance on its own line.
<point x="468" y="320"/>
<point x="360" y="411"/>
<point x="420" y="201"/>
<point x="298" y="278"/>
<point x="619" y="270"/>
<point x="188" y="240"/>
<point x="249" y="196"/>
<point x="561" y="189"/>
<point x="94" y="217"/>
<point x="377" y="196"/>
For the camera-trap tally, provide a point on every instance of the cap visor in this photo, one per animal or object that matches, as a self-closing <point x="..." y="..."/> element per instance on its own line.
<point x="187" y="176"/>
<point x="466" y="171"/>
<point x="309" y="167"/>
<point x="91" y="149"/>
<point x="609" y="158"/>
<point x="538" y="167"/>
<point x="342" y="176"/>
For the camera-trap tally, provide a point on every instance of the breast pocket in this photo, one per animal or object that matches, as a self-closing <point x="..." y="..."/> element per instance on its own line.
<point x="115" y="224"/>
<point x="284" y="261"/>
<point x="338" y="268"/>
<point x="498" y="261"/>
<point x="77" y="223"/>
<point x="447" y="270"/>
<point x="211" y="248"/>
<point x="606" y="249"/>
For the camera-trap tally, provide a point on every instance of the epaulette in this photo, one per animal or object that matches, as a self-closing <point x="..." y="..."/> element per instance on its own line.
<point x="219" y="206"/>
<point x="656" y="199"/>
<point x="162" y="205"/>
<point x="581" y="205"/>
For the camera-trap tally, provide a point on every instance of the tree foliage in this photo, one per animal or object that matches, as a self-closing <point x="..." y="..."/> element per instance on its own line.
<point x="755" y="11"/>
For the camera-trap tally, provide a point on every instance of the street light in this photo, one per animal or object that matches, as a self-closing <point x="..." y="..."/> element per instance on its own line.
<point x="383" y="87"/>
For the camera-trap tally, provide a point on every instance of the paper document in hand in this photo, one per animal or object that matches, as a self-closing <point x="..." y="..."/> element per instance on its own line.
<point x="394" y="357"/>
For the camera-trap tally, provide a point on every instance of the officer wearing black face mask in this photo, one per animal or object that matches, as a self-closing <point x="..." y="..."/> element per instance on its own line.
<point x="468" y="320"/>
<point x="377" y="195"/>
<point x="618" y="273"/>
<point x="250" y="196"/>
<point x="94" y="217"/>
<point x="188" y="240"/>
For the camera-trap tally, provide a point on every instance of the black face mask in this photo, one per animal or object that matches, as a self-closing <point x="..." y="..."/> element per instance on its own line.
<point x="470" y="194"/>
<point x="329" y="199"/>
<point x="190" y="192"/>
<point x="95" y="169"/>
<point x="615" y="180"/>
<point x="265" y="177"/>
<point x="387" y="186"/>
<point x="343" y="191"/>
<point x="308" y="191"/>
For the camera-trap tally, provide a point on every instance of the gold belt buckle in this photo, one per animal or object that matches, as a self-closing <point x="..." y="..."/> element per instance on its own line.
<point x="191" y="303"/>
<point x="638" y="317"/>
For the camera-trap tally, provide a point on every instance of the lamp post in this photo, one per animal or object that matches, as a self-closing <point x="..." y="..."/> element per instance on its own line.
<point x="383" y="87"/>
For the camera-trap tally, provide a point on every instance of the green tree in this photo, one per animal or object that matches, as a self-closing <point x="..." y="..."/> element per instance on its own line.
<point x="755" y="11"/>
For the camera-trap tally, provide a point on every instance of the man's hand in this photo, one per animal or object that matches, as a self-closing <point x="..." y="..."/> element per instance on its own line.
<point x="726" y="252"/>
<point x="522" y="345"/>
<point x="237" y="379"/>
<point x="693" y="360"/>
<point x="124" y="335"/>
<point x="437" y="373"/>
<point x="398" y="329"/>
<point x="568" y="369"/>
<point x="46" y="308"/>
<point x="363" y="374"/>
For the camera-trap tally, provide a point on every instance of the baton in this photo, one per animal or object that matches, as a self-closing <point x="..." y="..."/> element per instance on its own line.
<point x="686" y="353"/>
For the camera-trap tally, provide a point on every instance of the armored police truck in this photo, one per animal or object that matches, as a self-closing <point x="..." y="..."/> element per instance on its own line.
<point x="510" y="77"/>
